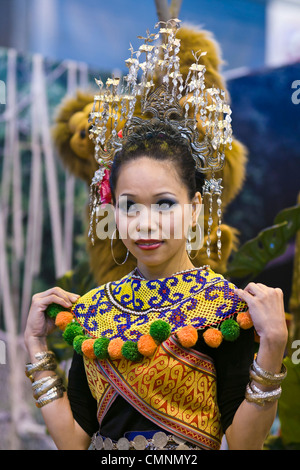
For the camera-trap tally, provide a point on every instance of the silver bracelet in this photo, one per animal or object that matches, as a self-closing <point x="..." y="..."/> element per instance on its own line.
<point x="52" y="395"/>
<point x="40" y="387"/>
<point x="44" y="355"/>
<point x="45" y="361"/>
<point x="264" y="377"/>
<point x="260" y="397"/>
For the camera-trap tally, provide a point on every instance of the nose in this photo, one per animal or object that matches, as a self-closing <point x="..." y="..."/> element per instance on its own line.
<point x="147" y="223"/>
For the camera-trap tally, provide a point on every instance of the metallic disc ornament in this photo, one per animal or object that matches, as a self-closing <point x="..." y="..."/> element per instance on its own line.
<point x="160" y="440"/>
<point x="123" y="444"/>
<point x="139" y="442"/>
<point x="98" y="443"/>
<point x="108" y="444"/>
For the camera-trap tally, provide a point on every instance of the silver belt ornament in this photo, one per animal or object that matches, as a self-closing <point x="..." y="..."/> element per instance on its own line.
<point x="160" y="440"/>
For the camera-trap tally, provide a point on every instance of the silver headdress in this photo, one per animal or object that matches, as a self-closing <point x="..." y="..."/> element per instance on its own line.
<point x="183" y="103"/>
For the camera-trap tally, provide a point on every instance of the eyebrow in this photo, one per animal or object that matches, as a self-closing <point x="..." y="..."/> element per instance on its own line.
<point x="158" y="194"/>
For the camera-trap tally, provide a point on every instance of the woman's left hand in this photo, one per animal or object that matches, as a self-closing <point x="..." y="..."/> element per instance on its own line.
<point x="266" y="307"/>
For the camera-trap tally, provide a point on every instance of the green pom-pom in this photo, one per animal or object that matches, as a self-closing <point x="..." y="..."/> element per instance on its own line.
<point x="230" y="330"/>
<point x="100" y="347"/>
<point x="130" y="351"/>
<point x="160" y="330"/>
<point x="77" y="343"/>
<point x="73" y="329"/>
<point x="53" y="310"/>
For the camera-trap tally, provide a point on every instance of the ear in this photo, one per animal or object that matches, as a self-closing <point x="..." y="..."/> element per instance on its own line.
<point x="196" y="207"/>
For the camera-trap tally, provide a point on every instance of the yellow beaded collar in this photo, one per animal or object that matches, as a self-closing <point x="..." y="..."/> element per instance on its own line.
<point x="123" y="311"/>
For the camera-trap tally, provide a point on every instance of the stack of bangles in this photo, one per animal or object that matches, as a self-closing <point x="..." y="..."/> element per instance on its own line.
<point x="254" y="394"/>
<point x="46" y="389"/>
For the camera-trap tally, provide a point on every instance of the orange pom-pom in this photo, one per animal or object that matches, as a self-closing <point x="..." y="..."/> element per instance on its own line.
<point x="146" y="345"/>
<point x="115" y="348"/>
<point x="213" y="337"/>
<point x="244" y="320"/>
<point x="88" y="349"/>
<point x="187" y="336"/>
<point x="63" y="319"/>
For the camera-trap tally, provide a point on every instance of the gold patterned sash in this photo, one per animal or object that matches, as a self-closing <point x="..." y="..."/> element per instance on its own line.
<point x="176" y="389"/>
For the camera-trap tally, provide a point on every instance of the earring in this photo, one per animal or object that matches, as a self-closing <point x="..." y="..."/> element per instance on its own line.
<point x="112" y="251"/>
<point x="213" y="187"/>
<point x="189" y="242"/>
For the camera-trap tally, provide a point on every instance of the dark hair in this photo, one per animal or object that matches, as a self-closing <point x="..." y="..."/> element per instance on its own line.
<point x="162" y="142"/>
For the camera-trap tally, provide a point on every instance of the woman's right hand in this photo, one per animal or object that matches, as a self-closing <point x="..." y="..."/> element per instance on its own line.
<point x="39" y="325"/>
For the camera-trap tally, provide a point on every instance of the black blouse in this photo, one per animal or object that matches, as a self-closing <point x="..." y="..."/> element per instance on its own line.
<point x="232" y="361"/>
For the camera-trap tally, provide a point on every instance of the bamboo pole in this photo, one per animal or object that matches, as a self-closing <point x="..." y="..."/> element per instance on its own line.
<point x="70" y="182"/>
<point x="15" y="381"/>
<point x="165" y="11"/>
<point x="10" y="271"/>
<point x="35" y="198"/>
<point x="50" y="171"/>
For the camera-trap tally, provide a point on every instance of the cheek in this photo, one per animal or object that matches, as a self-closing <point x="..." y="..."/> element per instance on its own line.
<point x="127" y="226"/>
<point x="122" y="224"/>
<point x="175" y="223"/>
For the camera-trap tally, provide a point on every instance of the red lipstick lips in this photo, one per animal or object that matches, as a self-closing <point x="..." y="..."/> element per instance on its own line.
<point x="149" y="244"/>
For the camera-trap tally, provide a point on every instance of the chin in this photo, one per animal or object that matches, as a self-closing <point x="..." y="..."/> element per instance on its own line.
<point x="157" y="257"/>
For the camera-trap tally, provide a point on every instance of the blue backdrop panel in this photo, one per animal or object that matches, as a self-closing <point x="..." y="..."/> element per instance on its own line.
<point x="267" y="121"/>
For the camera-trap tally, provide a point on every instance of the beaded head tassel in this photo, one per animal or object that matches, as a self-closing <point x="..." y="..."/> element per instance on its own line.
<point x="185" y="104"/>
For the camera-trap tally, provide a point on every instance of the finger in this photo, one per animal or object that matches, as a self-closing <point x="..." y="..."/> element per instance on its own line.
<point x="43" y="302"/>
<point x="60" y="292"/>
<point x="263" y="287"/>
<point x="244" y="295"/>
<point x="279" y="291"/>
<point x="254" y="289"/>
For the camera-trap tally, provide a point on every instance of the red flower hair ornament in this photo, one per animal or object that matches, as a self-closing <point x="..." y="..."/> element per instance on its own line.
<point x="104" y="186"/>
<point x="104" y="189"/>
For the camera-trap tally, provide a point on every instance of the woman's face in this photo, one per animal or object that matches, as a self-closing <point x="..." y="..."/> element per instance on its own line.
<point x="153" y="213"/>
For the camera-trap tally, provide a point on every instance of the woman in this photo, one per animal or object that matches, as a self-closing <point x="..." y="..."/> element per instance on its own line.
<point x="204" y="388"/>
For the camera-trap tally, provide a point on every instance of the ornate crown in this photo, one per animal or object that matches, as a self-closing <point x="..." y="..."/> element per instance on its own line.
<point x="183" y="103"/>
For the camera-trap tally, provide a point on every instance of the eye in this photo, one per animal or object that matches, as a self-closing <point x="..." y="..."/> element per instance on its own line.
<point x="165" y="204"/>
<point x="128" y="206"/>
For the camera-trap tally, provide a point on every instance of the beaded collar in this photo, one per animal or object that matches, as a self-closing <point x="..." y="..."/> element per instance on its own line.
<point x="132" y="308"/>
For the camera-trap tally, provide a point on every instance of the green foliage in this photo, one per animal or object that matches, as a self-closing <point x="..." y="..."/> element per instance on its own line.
<point x="79" y="281"/>
<point x="252" y="257"/>
<point x="288" y="406"/>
